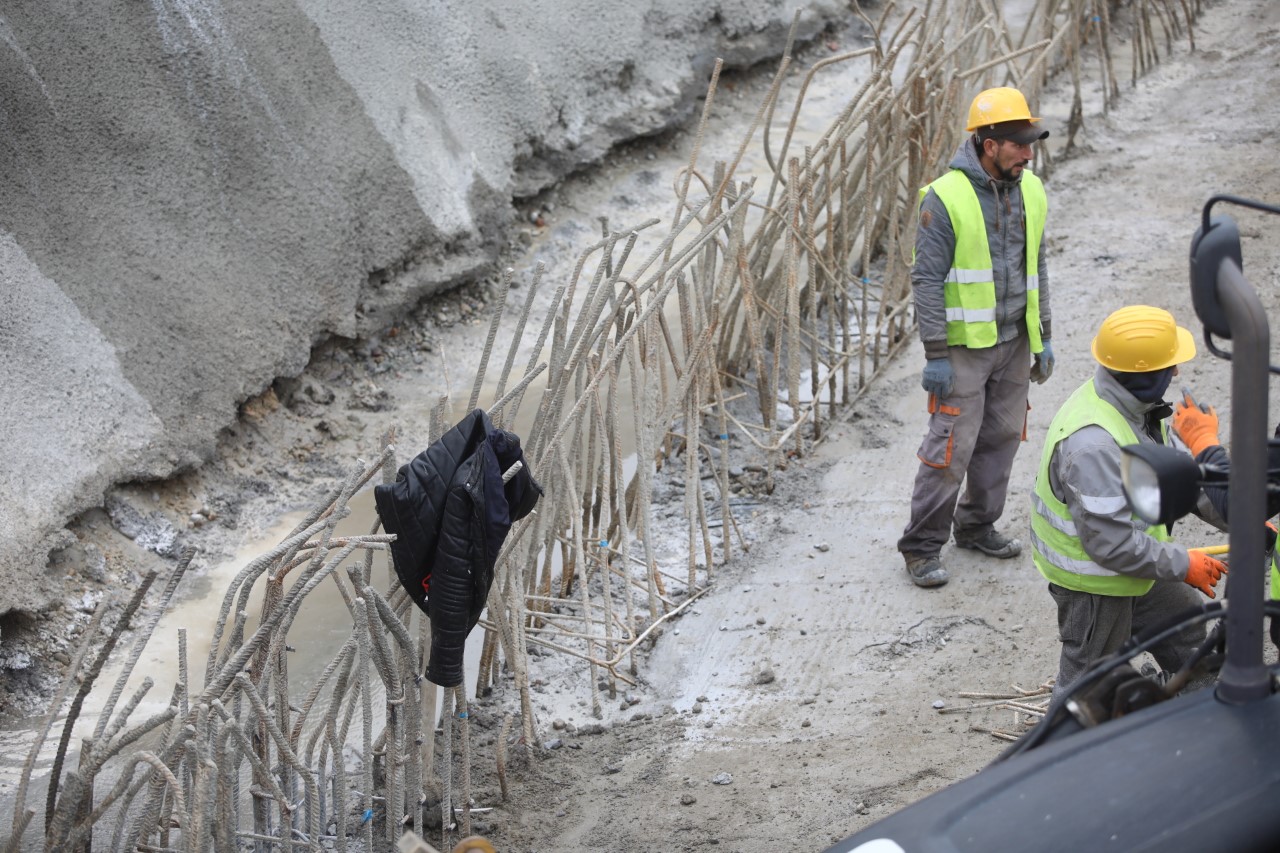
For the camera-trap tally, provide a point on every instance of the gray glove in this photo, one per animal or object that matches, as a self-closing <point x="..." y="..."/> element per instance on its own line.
<point x="937" y="378"/>
<point x="1042" y="367"/>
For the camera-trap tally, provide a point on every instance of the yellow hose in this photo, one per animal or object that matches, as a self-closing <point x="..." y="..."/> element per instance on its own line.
<point x="1211" y="549"/>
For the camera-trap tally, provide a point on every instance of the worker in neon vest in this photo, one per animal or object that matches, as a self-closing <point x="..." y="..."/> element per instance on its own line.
<point x="1110" y="573"/>
<point x="982" y="305"/>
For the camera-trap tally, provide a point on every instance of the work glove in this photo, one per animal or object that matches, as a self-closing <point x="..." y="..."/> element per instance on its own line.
<point x="1204" y="572"/>
<point x="937" y="378"/>
<point x="1195" y="423"/>
<point x="1042" y="367"/>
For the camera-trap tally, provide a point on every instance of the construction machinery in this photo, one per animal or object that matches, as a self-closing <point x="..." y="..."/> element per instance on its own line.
<point x="1123" y="761"/>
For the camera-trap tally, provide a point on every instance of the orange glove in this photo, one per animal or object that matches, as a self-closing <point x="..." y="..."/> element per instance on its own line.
<point x="1204" y="571"/>
<point x="1196" y="424"/>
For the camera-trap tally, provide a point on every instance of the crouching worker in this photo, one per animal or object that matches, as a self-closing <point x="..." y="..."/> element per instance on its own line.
<point x="1110" y="573"/>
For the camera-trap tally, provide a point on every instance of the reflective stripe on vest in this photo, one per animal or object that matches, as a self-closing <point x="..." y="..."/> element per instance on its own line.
<point x="969" y="292"/>
<point x="1056" y="548"/>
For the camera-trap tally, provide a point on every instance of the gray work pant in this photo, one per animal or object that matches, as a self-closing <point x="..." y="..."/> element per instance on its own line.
<point x="974" y="433"/>
<point x="1094" y="626"/>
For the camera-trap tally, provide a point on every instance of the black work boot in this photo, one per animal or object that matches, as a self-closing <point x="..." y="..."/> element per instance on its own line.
<point x="926" y="571"/>
<point x="991" y="543"/>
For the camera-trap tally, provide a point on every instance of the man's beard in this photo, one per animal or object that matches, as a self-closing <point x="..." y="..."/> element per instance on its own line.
<point x="1007" y="174"/>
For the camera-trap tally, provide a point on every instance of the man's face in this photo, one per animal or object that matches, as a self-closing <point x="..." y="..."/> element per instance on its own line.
<point x="1008" y="158"/>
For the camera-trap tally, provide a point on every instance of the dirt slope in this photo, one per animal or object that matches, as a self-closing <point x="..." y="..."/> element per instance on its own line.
<point x="810" y="673"/>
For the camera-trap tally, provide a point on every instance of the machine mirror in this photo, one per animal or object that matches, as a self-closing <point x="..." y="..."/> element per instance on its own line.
<point x="1160" y="483"/>
<point x="1208" y="250"/>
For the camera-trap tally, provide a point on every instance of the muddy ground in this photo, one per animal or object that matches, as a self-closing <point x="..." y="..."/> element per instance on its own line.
<point x="795" y="702"/>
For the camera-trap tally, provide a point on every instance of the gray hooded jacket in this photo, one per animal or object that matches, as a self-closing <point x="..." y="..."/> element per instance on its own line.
<point x="1084" y="473"/>
<point x="1006" y="219"/>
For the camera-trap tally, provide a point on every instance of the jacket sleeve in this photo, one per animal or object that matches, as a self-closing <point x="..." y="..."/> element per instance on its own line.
<point x="1046" y="315"/>
<point x="523" y="491"/>
<point x="458" y="551"/>
<point x="1085" y="475"/>
<point x="1212" y="503"/>
<point x="478" y="513"/>
<point x="935" y="248"/>
<point x="1214" y="499"/>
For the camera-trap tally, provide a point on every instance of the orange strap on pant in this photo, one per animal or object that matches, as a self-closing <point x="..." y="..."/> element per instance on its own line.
<point x="935" y="406"/>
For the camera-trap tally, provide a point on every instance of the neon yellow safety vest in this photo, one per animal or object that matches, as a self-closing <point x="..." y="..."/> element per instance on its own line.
<point x="1056" y="548"/>
<point x="969" y="292"/>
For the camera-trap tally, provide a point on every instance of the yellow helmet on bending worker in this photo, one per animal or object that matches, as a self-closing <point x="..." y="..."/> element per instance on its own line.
<point x="1140" y="339"/>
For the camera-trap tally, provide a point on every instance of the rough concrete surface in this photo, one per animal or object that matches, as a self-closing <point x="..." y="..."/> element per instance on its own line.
<point x="195" y="193"/>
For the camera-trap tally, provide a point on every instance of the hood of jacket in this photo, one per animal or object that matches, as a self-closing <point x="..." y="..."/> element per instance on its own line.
<point x="1135" y="411"/>
<point x="966" y="159"/>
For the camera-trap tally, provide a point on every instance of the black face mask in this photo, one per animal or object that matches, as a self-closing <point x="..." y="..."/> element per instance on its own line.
<point x="1148" y="387"/>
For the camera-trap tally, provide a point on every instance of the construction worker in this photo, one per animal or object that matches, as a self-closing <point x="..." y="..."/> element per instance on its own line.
<point x="1196" y="424"/>
<point x="982" y="305"/>
<point x="1110" y="573"/>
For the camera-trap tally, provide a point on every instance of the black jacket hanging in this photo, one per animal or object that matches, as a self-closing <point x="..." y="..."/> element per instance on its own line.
<point x="451" y="512"/>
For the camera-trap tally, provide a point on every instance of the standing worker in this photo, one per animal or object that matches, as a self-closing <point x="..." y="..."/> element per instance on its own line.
<point x="982" y="304"/>
<point x="1110" y="573"/>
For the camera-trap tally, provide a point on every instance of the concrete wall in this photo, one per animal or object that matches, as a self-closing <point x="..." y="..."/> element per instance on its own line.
<point x="194" y="192"/>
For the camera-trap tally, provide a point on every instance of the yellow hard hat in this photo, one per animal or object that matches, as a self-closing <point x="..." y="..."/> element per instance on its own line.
<point x="1140" y="339"/>
<point x="993" y="106"/>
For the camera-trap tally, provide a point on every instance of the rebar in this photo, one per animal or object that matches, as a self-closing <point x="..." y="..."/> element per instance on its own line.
<point x="710" y="328"/>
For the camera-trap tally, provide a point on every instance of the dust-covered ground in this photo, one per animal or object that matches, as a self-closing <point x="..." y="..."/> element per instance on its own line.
<point x="794" y="702"/>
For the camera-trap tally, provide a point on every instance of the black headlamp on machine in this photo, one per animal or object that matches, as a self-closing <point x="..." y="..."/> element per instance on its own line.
<point x="1161" y="483"/>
